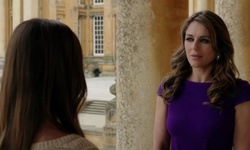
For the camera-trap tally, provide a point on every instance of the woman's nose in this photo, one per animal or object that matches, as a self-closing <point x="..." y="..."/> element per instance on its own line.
<point x="195" y="45"/>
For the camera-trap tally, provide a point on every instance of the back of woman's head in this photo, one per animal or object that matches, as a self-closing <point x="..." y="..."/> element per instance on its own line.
<point x="43" y="80"/>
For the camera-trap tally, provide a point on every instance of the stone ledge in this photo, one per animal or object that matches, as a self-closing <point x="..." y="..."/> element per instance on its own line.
<point x="92" y="130"/>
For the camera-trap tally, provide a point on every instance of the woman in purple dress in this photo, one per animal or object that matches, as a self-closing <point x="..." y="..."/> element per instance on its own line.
<point x="203" y="104"/>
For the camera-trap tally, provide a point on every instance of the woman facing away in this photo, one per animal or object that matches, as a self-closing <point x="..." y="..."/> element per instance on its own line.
<point x="43" y="88"/>
<point x="202" y="104"/>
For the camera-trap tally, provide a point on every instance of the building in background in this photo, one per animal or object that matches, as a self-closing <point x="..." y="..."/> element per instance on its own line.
<point x="93" y="21"/>
<point x="147" y="34"/>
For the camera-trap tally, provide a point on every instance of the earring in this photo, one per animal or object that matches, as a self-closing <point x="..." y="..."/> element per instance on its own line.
<point x="217" y="57"/>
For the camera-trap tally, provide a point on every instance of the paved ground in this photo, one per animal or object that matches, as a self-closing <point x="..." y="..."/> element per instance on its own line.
<point x="98" y="89"/>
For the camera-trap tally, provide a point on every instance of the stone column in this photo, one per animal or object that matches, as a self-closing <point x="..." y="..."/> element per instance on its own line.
<point x="16" y="13"/>
<point x="147" y="34"/>
<point x="198" y="5"/>
<point x="71" y="15"/>
<point x="30" y="9"/>
<point x="2" y="29"/>
<point x="108" y="17"/>
<point x="236" y="14"/>
<point x="48" y="9"/>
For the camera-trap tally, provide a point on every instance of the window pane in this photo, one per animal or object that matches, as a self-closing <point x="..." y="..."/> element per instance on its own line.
<point x="98" y="35"/>
<point x="98" y="2"/>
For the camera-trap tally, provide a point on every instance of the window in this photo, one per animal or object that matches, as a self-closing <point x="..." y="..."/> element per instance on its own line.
<point x="98" y="2"/>
<point x="79" y="1"/>
<point x="98" y="35"/>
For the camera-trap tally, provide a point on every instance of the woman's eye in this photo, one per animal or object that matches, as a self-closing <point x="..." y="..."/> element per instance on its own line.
<point x="204" y="41"/>
<point x="189" y="39"/>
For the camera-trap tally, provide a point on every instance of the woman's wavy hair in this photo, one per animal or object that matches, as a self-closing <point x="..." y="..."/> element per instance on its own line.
<point x="43" y="80"/>
<point x="224" y="71"/>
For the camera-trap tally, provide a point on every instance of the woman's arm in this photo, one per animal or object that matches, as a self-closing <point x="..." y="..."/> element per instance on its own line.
<point x="161" y="136"/>
<point x="242" y="126"/>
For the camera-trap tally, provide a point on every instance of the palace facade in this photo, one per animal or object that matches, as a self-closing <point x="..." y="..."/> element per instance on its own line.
<point x="93" y="21"/>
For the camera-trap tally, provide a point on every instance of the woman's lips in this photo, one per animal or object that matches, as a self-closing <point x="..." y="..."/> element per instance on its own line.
<point x="195" y="56"/>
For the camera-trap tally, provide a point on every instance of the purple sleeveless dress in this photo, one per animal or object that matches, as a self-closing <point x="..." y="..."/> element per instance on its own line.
<point x="195" y="126"/>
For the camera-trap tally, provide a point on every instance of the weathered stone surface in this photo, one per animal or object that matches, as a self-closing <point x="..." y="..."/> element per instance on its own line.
<point x="236" y="14"/>
<point x="145" y="36"/>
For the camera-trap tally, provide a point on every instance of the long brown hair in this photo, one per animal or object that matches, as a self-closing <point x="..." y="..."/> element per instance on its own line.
<point x="224" y="71"/>
<point x="43" y="79"/>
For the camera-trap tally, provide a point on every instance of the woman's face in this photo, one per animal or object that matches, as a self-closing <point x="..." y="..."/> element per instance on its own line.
<point x="198" y="46"/>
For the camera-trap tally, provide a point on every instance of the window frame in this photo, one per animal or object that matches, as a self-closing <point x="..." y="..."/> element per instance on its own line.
<point x="98" y="35"/>
<point x="97" y="2"/>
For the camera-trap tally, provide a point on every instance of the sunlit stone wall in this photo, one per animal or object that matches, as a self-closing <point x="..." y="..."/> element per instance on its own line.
<point x="2" y="28"/>
<point x="147" y="34"/>
<point x="236" y="14"/>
